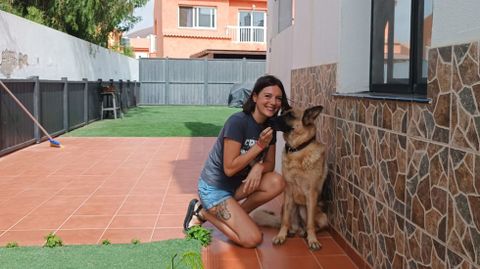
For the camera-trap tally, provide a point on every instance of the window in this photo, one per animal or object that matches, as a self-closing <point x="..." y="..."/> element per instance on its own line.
<point x="197" y="17"/>
<point x="401" y="37"/>
<point x="251" y="26"/>
<point x="285" y="14"/>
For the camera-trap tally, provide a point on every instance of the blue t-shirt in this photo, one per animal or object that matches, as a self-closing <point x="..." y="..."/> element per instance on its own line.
<point x="242" y="128"/>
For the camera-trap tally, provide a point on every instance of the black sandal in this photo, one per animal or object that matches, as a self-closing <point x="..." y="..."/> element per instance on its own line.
<point x="191" y="211"/>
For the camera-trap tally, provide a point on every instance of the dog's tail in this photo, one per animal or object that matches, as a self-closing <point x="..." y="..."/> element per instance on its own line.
<point x="321" y="220"/>
<point x="267" y="218"/>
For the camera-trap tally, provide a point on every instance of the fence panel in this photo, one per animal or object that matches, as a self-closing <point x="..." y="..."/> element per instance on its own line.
<point x="225" y="71"/>
<point x="93" y="101"/>
<point x="152" y="69"/>
<point x="152" y="93"/>
<point x="47" y="100"/>
<point x="75" y="104"/>
<point x="187" y="94"/>
<point x="16" y="128"/>
<point x="218" y="93"/>
<point x="51" y="106"/>
<point x="254" y="69"/>
<point x="194" y="81"/>
<point x="181" y="70"/>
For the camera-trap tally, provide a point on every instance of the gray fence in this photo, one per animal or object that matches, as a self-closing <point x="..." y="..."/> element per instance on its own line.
<point x="166" y="81"/>
<point x="60" y="106"/>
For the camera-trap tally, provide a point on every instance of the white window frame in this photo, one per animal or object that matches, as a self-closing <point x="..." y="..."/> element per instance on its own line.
<point x="251" y="27"/>
<point x="196" y="17"/>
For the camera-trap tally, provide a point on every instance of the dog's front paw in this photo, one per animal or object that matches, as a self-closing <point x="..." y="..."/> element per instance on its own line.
<point x="313" y="243"/>
<point x="279" y="239"/>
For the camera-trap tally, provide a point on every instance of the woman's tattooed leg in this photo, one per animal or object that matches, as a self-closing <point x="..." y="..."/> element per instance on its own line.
<point x="222" y="211"/>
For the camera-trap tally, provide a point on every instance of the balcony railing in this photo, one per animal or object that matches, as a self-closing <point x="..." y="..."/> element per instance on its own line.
<point x="246" y="34"/>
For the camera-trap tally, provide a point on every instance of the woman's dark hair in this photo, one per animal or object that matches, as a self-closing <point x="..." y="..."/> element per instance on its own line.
<point x="260" y="84"/>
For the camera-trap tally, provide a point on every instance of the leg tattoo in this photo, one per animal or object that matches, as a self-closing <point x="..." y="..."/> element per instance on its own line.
<point x="223" y="212"/>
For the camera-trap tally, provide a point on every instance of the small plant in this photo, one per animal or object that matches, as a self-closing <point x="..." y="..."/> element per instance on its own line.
<point x="53" y="240"/>
<point x="12" y="245"/>
<point x="191" y="259"/>
<point x="106" y="242"/>
<point x="135" y="241"/>
<point x="201" y="234"/>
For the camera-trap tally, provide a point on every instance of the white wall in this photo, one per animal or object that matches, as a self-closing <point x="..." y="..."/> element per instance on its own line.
<point x="455" y="22"/>
<point x="279" y="61"/>
<point x="324" y="32"/>
<point x="315" y="33"/>
<point x="353" y="73"/>
<point x="30" y="49"/>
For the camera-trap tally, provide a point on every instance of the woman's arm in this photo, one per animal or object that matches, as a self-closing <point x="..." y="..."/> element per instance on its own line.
<point x="269" y="160"/>
<point x="233" y="161"/>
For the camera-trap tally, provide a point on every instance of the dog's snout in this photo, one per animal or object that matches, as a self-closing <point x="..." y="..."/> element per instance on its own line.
<point x="279" y="124"/>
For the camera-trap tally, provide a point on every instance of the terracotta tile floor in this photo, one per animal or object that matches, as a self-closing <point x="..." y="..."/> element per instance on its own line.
<point x="128" y="188"/>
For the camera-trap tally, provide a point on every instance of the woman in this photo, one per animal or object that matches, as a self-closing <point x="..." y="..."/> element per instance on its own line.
<point x="238" y="175"/>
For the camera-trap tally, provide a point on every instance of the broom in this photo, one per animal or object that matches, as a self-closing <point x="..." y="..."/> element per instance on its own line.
<point x="53" y="143"/>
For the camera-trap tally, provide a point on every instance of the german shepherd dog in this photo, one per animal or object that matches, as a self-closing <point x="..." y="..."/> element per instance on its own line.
<point x="304" y="168"/>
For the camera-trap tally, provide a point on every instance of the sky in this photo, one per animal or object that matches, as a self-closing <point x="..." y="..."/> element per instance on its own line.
<point x="146" y="12"/>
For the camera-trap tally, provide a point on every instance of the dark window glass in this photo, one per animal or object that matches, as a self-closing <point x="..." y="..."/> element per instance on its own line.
<point x="401" y="34"/>
<point x="186" y="17"/>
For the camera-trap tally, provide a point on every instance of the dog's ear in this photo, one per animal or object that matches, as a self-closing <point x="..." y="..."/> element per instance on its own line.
<point x="311" y="114"/>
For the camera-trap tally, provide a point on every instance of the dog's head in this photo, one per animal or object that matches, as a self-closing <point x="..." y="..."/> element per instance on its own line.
<point x="296" y="123"/>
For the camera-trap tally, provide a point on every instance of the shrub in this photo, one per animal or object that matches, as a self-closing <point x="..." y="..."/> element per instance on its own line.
<point x="53" y="240"/>
<point x="12" y="245"/>
<point x="106" y="242"/>
<point x="201" y="234"/>
<point x="135" y="241"/>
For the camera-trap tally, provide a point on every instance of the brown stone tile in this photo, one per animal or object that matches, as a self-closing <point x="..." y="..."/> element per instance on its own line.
<point x="392" y="169"/>
<point x="422" y="250"/>
<point x="463" y="228"/>
<point x="469" y="71"/>
<point x="390" y="239"/>
<point x="364" y="159"/>
<point x="344" y="148"/>
<point x="343" y="208"/>
<point x="363" y="225"/>
<point x="426" y="183"/>
<point x="465" y="125"/>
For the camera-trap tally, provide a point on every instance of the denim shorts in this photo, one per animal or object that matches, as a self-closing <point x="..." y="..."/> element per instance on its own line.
<point x="211" y="196"/>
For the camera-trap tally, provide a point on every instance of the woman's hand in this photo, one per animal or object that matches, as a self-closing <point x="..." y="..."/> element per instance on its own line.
<point x="265" y="137"/>
<point x="253" y="178"/>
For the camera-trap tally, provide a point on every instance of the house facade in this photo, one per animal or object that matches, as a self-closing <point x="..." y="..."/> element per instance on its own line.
<point x="143" y="42"/>
<point x="210" y="29"/>
<point x="400" y="84"/>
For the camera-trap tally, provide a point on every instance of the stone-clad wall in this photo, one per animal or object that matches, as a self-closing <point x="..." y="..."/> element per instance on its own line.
<point x="404" y="177"/>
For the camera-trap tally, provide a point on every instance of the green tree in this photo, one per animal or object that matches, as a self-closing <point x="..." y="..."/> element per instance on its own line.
<point x="91" y="20"/>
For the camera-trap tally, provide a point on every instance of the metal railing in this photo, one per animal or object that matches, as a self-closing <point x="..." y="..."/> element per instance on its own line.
<point x="247" y="34"/>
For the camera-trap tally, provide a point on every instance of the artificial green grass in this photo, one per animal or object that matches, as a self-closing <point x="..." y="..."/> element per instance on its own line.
<point x="161" y="121"/>
<point x="144" y="255"/>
